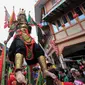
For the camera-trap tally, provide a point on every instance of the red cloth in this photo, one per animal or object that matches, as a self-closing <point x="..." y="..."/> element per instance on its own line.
<point x="68" y="83"/>
<point x="25" y="73"/>
<point x="11" y="78"/>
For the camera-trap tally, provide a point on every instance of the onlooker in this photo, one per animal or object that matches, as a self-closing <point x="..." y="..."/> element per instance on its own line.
<point x="79" y="77"/>
<point x="49" y="80"/>
<point x="83" y="71"/>
<point x="61" y="74"/>
<point x="35" y="74"/>
<point x="68" y="76"/>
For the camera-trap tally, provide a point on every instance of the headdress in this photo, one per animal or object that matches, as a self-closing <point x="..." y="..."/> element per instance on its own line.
<point x="21" y="11"/>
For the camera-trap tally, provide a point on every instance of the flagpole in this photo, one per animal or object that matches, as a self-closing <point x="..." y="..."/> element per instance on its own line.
<point x="43" y="50"/>
<point x="29" y="75"/>
<point x="4" y="65"/>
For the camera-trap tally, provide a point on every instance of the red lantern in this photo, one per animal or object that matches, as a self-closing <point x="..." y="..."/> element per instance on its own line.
<point x="75" y="15"/>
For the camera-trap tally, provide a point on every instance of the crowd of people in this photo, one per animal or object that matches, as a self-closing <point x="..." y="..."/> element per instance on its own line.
<point x="72" y="76"/>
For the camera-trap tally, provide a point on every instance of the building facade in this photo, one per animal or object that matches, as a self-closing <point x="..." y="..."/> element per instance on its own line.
<point x="66" y="22"/>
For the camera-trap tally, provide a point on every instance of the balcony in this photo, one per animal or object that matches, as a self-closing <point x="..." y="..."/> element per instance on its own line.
<point x="73" y="31"/>
<point x="60" y="9"/>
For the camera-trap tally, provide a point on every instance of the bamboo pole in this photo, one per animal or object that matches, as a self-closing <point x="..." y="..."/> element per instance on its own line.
<point x="3" y="69"/>
<point x="38" y="77"/>
<point x="29" y="75"/>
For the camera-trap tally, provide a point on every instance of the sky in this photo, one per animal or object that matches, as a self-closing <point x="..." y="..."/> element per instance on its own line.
<point x="28" y="5"/>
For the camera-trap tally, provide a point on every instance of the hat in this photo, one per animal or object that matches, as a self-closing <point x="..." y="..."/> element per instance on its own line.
<point x="73" y="69"/>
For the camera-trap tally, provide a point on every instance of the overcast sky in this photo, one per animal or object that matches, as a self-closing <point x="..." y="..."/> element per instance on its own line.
<point x="28" y="5"/>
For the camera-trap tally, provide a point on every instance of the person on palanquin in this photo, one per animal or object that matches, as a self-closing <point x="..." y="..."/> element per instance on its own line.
<point x="24" y="46"/>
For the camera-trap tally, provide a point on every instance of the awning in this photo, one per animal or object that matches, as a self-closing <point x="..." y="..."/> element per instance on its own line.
<point x="54" y="8"/>
<point x="58" y="10"/>
<point x="74" y="50"/>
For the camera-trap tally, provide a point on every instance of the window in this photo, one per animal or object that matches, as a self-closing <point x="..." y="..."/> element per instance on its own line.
<point x="83" y="5"/>
<point x="55" y="28"/>
<point x="79" y="12"/>
<point x="58" y="22"/>
<point x="70" y="16"/>
<point x="59" y="25"/>
<point x="65" y="21"/>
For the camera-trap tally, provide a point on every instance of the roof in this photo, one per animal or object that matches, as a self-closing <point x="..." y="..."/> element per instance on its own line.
<point x="57" y="10"/>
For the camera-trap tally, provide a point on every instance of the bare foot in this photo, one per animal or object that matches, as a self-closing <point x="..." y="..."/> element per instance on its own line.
<point x="48" y="73"/>
<point x="20" y="77"/>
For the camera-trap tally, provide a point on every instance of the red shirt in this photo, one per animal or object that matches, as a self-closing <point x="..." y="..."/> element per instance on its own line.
<point x="67" y="83"/>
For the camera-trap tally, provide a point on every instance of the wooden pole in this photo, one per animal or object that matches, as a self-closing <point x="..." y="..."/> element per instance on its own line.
<point x="29" y="75"/>
<point x="38" y="77"/>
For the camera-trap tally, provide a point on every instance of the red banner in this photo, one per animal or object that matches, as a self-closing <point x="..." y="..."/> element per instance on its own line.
<point x="1" y="63"/>
<point x="0" y="68"/>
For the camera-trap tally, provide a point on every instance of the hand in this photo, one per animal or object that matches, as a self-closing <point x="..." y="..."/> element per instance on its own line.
<point x="48" y="73"/>
<point x="20" y="77"/>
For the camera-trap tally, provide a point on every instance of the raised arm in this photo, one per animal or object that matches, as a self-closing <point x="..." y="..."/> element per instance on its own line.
<point x="11" y="31"/>
<point x="9" y="37"/>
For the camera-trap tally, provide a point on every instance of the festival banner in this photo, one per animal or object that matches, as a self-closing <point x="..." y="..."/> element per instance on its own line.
<point x="1" y="63"/>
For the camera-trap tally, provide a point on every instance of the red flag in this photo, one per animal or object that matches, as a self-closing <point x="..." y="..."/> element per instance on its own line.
<point x="7" y="16"/>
